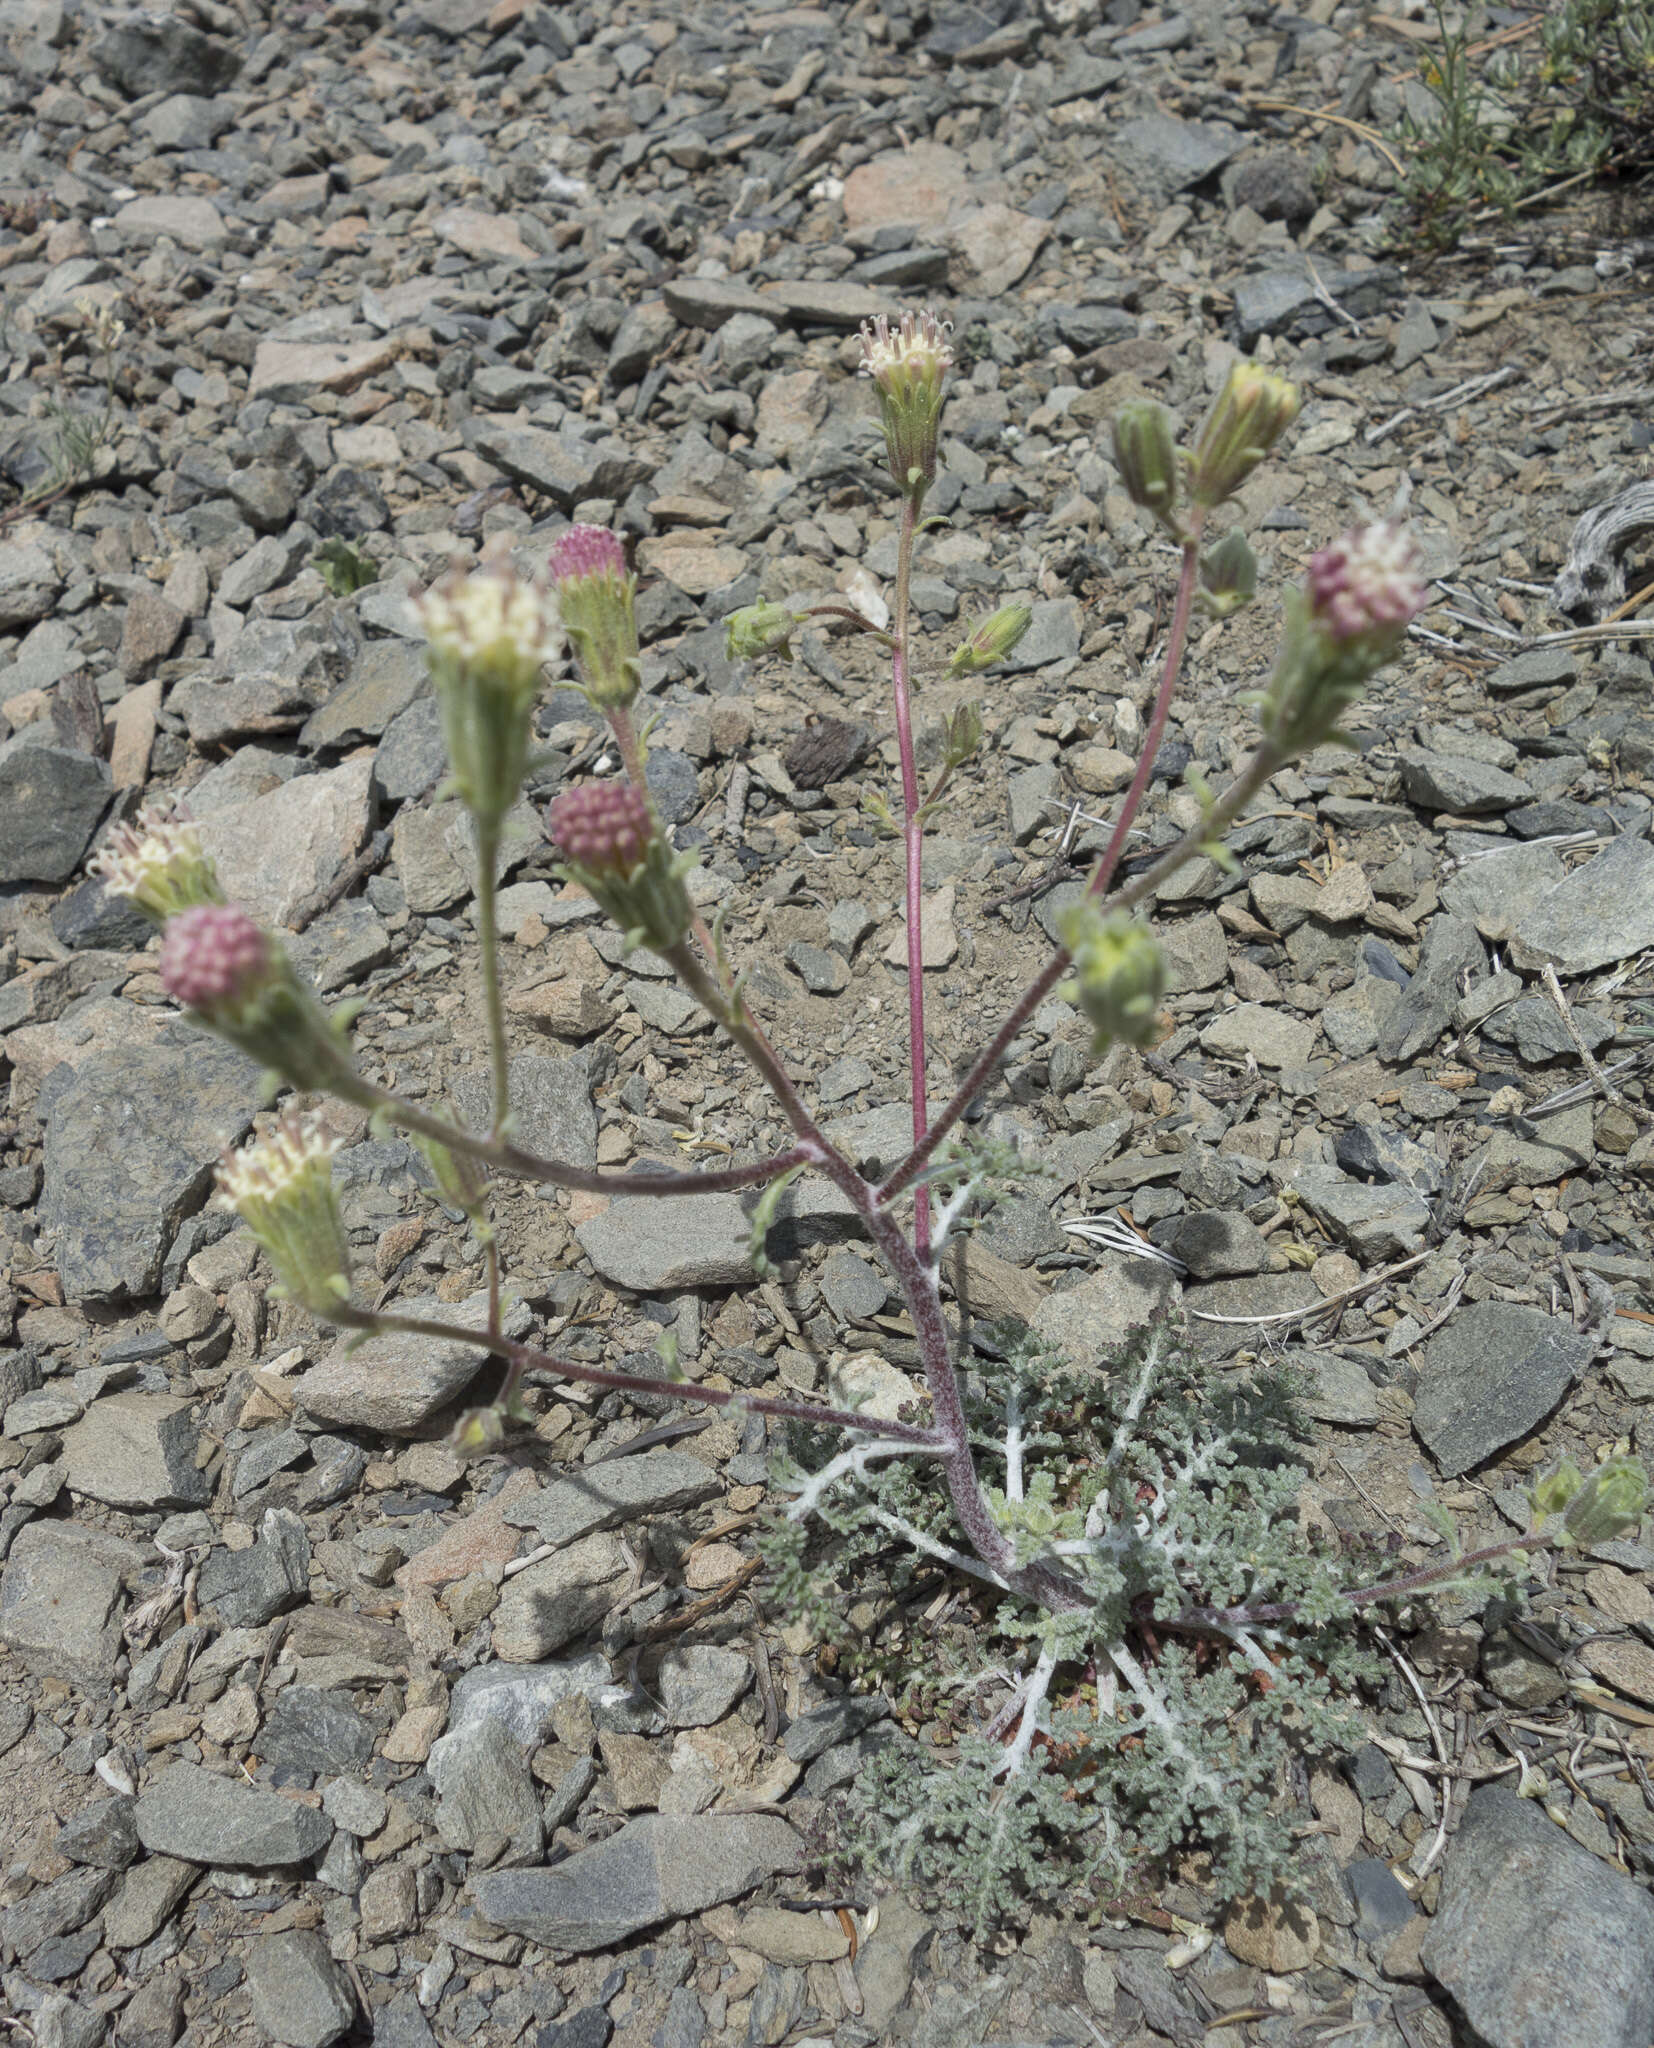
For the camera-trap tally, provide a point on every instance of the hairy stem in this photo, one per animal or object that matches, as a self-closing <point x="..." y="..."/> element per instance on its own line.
<point x="488" y="939"/>
<point x="913" y="851"/>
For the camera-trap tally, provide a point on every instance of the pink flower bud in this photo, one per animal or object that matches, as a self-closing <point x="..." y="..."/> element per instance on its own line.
<point x="603" y="827"/>
<point x="1365" y="583"/>
<point x="212" y="954"/>
<point x="586" y="551"/>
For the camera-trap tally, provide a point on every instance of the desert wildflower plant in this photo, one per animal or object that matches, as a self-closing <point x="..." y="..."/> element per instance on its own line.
<point x="1159" y="1630"/>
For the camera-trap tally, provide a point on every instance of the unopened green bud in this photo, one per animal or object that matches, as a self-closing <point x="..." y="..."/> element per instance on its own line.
<point x="1248" y="416"/>
<point x="1551" y="1492"/>
<point x="762" y="628"/>
<point x="1119" y="975"/>
<point x="1228" y="575"/>
<point x="991" y="640"/>
<point x="281" y="1186"/>
<point x="1145" y="453"/>
<point x="461" y="1182"/>
<point x="963" y="736"/>
<point x="1610" y="1504"/>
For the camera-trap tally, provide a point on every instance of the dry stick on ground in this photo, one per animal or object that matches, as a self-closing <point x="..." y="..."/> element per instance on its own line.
<point x="1319" y="1308"/>
<point x="1554" y="989"/>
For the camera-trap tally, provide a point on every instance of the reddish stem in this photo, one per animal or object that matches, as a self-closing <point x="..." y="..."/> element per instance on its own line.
<point x="913" y="849"/>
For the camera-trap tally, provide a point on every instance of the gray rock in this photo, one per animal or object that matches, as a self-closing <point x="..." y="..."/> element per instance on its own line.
<point x="300" y="1995"/>
<point x="247" y="1588"/>
<point x="310" y="1729"/>
<point x="1451" y="948"/>
<point x="396" y="1384"/>
<point x="822" y="973"/>
<point x="411" y="758"/>
<point x="61" y="1604"/>
<point x="1453" y="782"/>
<point x="673" y="784"/>
<point x="710" y="302"/>
<point x="1541" y="1944"/>
<point x="103" y="1833"/>
<point x="1256" y="1294"/>
<point x="29" y="585"/>
<point x="137" y="1451"/>
<point x="521" y="1697"/>
<point x="1275" y="183"/>
<point x="1271" y="1037"/>
<point x="602" y="1496"/>
<point x="1540" y="668"/>
<point x="1052" y="636"/>
<point x="700" y="1683"/>
<point x="54" y="1910"/>
<point x="666" y="1246"/>
<point x="51" y="802"/>
<point x="655" y="1868"/>
<point x="1377" y="1223"/>
<point x="1170" y="155"/>
<point x="1535" y="1027"/>
<point x="851" y="1287"/>
<point x="1490" y="1376"/>
<point x="149" y="1895"/>
<point x="201" y="1818"/>
<point x="1215" y="1244"/>
<point x="560" y="467"/>
<point x="274" y="853"/>
<point x="551" y="1103"/>
<point x="551" y="1603"/>
<point x="1339" y="1391"/>
<point x="1602" y="913"/>
<point x="1268" y="302"/>
<point x="148" y="53"/>
<point x="388" y="676"/>
<point x="131" y="1141"/>
<point x="1027" y="794"/>
<point x="1497" y="890"/>
<point x="1091" y="1322"/>
<point x="485" y="1790"/>
<point x="63" y="2022"/>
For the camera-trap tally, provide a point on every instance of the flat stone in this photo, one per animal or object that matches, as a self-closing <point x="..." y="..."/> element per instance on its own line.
<point x="522" y="1696"/>
<point x="1450" y="782"/>
<point x="1627" y="1667"/>
<point x="1540" y="668"/>
<point x="1215" y="1244"/>
<point x="1602" y="913"/>
<point x="655" y="1868"/>
<point x="485" y="237"/>
<point x="150" y="1894"/>
<point x="52" y="799"/>
<point x="917" y="187"/>
<point x="200" y="1817"/>
<point x="710" y="302"/>
<point x="287" y="372"/>
<point x="1195" y="951"/>
<point x="485" y="1790"/>
<point x="1091" y="1322"/>
<point x="699" y="1683"/>
<point x="839" y="303"/>
<point x="395" y="1384"/>
<point x="551" y="1106"/>
<point x="145" y="53"/>
<point x="1377" y="1223"/>
<point x="386" y="677"/>
<point x="1490" y="1376"/>
<point x="1496" y="891"/>
<point x="618" y="1490"/>
<point x="561" y="468"/>
<point x="247" y="1588"/>
<point x="1171" y="155"/>
<point x="137" y="1451"/>
<point x="1053" y="635"/>
<point x="190" y="221"/>
<point x="61" y="1603"/>
<point x="1540" y="1943"/>
<point x="1271" y="1037"/>
<point x="149" y="632"/>
<point x="1338" y="1390"/>
<point x="997" y="246"/>
<point x="664" y="1246"/>
<point x="938" y="940"/>
<point x="131" y="1142"/>
<point x="276" y="852"/>
<point x="311" y="1729"/>
<point x="551" y="1603"/>
<point x="300" y="1995"/>
<point x="1451" y="950"/>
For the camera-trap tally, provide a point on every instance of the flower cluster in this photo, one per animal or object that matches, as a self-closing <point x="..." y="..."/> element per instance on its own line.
<point x="908" y="364"/>
<point x="157" y="863"/>
<point x="1349" y="618"/>
<point x="281" y="1186"/>
<point x="596" y="599"/>
<point x="616" y="850"/>
<point x="1248" y="416"/>
<point x="490" y="634"/>
<point x="235" y="979"/>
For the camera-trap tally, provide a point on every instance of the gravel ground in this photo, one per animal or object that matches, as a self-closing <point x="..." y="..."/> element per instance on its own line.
<point x="311" y="1730"/>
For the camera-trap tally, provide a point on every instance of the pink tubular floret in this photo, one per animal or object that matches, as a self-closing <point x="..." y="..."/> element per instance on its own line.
<point x="605" y="827"/>
<point x="1367" y="580"/>
<point x="586" y="551"/>
<point x="211" y="954"/>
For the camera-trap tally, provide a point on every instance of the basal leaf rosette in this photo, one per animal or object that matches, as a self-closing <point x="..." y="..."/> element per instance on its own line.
<point x="281" y="1186"/>
<point x="597" y="602"/>
<point x="613" y="845"/>
<point x="236" y="980"/>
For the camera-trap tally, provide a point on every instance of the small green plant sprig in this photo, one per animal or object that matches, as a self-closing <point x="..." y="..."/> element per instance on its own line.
<point x="1534" y="118"/>
<point x="1129" y="1532"/>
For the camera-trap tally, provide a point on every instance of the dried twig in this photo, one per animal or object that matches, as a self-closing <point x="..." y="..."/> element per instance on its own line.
<point x="1319" y="1308"/>
<point x="1553" y="988"/>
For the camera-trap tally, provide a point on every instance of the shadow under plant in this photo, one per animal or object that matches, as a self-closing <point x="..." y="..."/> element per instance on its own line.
<point x="1158" y="1632"/>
